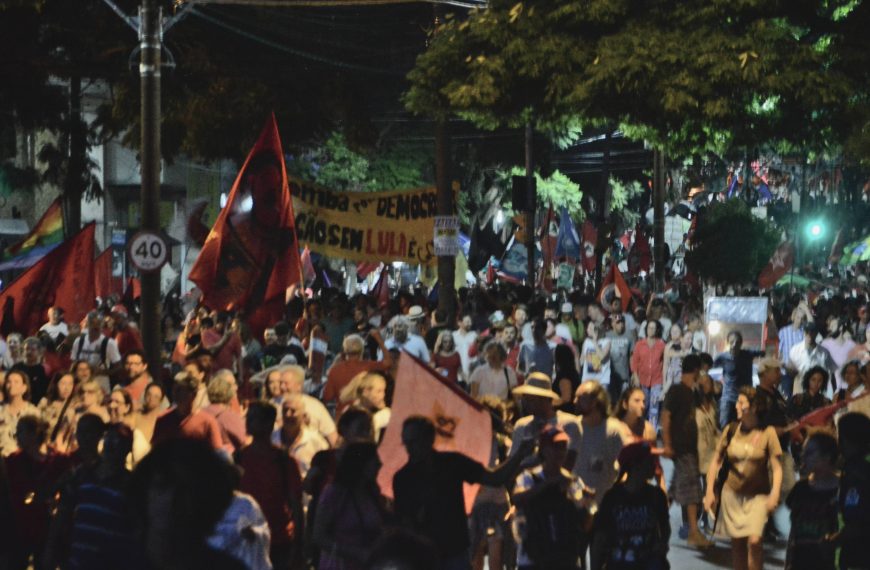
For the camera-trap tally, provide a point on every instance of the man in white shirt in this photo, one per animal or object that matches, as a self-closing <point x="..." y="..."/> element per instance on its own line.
<point x="804" y="355"/>
<point x="464" y="338"/>
<point x="55" y="327"/>
<point x="403" y="339"/>
<point x="100" y="351"/>
<point x="319" y="419"/>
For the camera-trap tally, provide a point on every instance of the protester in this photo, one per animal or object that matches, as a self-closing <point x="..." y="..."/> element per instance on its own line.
<point x="646" y="368"/>
<point x="59" y="403"/>
<point x="566" y="378"/>
<point x="813" y="506"/>
<point x="632" y="526"/>
<point x="493" y="378"/>
<point x="445" y="358"/>
<point x="629" y="410"/>
<point x="350" y="513"/>
<point x="621" y="347"/>
<point x="536" y="355"/>
<point x="791" y="335"/>
<point x="552" y="512"/>
<point x="351" y="362"/>
<point x="807" y="354"/>
<point x="539" y="401"/>
<point x="595" y="356"/>
<point x="184" y="420"/>
<point x="403" y="339"/>
<point x="100" y="351"/>
<point x="121" y="412"/>
<point x="812" y="396"/>
<point x="736" y="364"/>
<point x="463" y="338"/>
<point x="368" y="391"/>
<point x="428" y="489"/>
<point x="136" y="377"/>
<point x="292" y="382"/>
<point x="272" y="477"/>
<point x="16" y="404"/>
<point x="153" y="402"/>
<point x="34" y="367"/>
<point x="854" y="495"/>
<point x="221" y="392"/>
<point x="295" y="434"/>
<point x="56" y="328"/>
<point x="749" y="495"/>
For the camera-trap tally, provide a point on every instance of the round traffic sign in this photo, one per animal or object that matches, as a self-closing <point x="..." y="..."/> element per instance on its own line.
<point x="148" y="251"/>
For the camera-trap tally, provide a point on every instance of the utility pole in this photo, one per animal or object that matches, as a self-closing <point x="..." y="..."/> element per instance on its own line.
<point x="531" y="203"/>
<point x="150" y="40"/>
<point x="444" y="203"/>
<point x="659" y="218"/>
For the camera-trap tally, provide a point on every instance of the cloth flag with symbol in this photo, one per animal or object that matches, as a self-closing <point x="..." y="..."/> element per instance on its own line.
<point x="63" y="278"/>
<point x="461" y="424"/>
<point x="567" y="240"/>
<point x="780" y="264"/>
<point x="251" y="256"/>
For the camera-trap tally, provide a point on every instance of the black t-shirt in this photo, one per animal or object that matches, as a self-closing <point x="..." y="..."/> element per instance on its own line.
<point x="854" y="502"/>
<point x="273" y="353"/>
<point x="636" y="526"/>
<point x="38" y="380"/>
<point x="736" y="371"/>
<point x="813" y="516"/>
<point x="429" y="497"/>
<point x="777" y="413"/>
<point x="680" y="402"/>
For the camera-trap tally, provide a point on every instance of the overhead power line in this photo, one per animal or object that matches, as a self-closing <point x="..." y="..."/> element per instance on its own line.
<point x="339" y="3"/>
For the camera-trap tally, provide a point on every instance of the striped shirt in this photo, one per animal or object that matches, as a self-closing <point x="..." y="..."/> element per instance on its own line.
<point x="789" y="336"/>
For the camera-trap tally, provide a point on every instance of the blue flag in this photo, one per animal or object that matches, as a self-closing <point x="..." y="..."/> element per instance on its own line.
<point x="567" y="242"/>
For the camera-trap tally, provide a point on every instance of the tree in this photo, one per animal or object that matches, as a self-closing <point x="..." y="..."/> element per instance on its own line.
<point x="731" y="245"/>
<point x="686" y="75"/>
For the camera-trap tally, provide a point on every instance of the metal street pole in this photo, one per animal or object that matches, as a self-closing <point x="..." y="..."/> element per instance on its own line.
<point x="445" y="207"/>
<point x="150" y="22"/>
<point x="659" y="219"/>
<point x="531" y="199"/>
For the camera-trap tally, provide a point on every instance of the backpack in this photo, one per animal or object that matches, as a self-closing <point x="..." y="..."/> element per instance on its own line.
<point x="103" y="346"/>
<point x="553" y="528"/>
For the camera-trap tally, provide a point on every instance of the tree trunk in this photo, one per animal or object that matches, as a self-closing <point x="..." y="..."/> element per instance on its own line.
<point x="76" y="167"/>
<point x="531" y="200"/>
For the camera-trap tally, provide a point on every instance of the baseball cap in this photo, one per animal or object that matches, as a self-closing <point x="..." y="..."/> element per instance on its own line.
<point x="567" y="308"/>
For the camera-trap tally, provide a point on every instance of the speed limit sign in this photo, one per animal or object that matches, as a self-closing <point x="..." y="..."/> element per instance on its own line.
<point x="148" y="251"/>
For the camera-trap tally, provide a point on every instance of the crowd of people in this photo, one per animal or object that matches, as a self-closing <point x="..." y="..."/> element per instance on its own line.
<point x="261" y="451"/>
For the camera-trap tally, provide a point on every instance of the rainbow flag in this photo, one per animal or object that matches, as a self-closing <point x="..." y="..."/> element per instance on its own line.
<point x="46" y="235"/>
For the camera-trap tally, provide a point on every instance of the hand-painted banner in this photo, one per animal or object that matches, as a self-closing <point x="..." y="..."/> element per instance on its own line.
<point x="366" y="226"/>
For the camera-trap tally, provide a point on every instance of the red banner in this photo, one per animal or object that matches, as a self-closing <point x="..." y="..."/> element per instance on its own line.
<point x="780" y="264"/>
<point x="251" y="256"/>
<point x="462" y="424"/>
<point x="105" y="284"/>
<point x="614" y="285"/>
<point x="588" y="243"/>
<point x="63" y="278"/>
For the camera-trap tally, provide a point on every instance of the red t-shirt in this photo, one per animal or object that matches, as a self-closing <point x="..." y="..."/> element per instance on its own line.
<point x="128" y="339"/>
<point x="26" y="478"/>
<point x="198" y="425"/>
<point x="228" y="354"/>
<point x="451" y="364"/>
<point x="342" y="372"/>
<point x="272" y="477"/>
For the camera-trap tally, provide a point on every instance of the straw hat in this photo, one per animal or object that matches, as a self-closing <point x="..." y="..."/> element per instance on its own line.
<point x="537" y="384"/>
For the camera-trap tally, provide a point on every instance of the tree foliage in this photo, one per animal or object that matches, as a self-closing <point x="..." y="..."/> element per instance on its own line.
<point x="731" y="245"/>
<point x="688" y="75"/>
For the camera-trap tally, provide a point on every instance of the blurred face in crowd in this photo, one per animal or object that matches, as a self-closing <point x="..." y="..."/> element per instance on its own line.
<point x="636" y="404"/>
<point x="53" y="316"/>
<point x="32" y="352"/>
<point x="153" y="398"/>
<point x="92" y="395"/>
<point x="815" y="383"/>
<point x="686" y="341"/>
<point x="579" y="312"/>
<point x="135" y="366"/>
<point x="15" y="386"/>
<point x="618" y="325"/>
<point x="509" y="335"/>
<point x="13" y="341"/>
<point x="293" y="413"/>
<point x="520" y="317"/>
<point x="194" y="371"/>
<point x="735" y="343"/>
<point x="118" y="407"/>
<point x="94" y="325"/>
<point x="374" y="394"/>
<point x="851" y="375"/>
<point x="82" y="371"/>
<point x="553" y="453"/>
<point x="273" y="384"/>
<point x="493" y="357"/>
<point x="705" y="382"/>
<point x="65" y="386"/>
<point x="269" y="336"/>
<point x="465" y="323"/>
<point x="676" y="333"/>
<point x="291" y="383"/>
<point x="741" y="406"/>
<point x="650" y="329"/>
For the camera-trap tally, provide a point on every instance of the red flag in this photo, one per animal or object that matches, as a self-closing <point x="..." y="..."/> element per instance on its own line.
<point x="614" y="285"/>
<point x="251" y="256"/>
<point x="63" y="278"/>
<point x="490" y="273"/>
<point x="780" y="264"/>
<point x="308" y="273"/>
<point x="363" y="268"/>
<point x="640" y="256"/>
<point x="549" y="234"/>
<point x="105" y="284"/>
<point x="462" y="424"/>
<point x="381" y="290"/>
<point x="588" y="240"/>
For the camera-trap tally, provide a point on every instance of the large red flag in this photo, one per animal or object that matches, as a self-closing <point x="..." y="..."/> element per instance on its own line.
<point x="104" y="283"/>
<point x="614" y="285"/>
<point x="461" y="423"/>
<point x="780" y="264"/>
<point x="381" y="290"/>
<point x="589" y="241"/>
<point x="63" y="278"/>
<point x="251" y="256"/>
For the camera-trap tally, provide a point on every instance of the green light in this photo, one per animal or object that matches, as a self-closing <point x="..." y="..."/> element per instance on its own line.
<point x="815" y="229"/>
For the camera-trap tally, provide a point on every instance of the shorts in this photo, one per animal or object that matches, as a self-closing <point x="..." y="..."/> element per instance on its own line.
<point x="686" y="482"/>
<point x="487" y="521"/>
